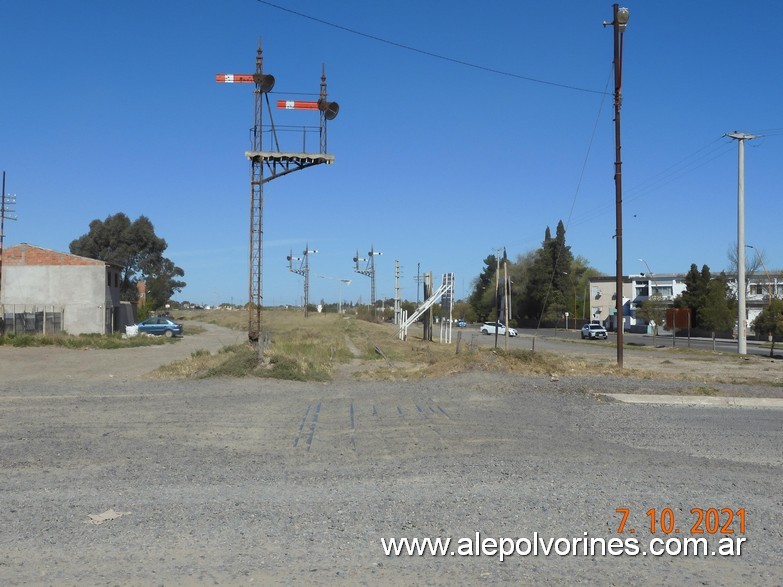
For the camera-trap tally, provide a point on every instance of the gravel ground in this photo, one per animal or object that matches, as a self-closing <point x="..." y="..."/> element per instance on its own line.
<point x="234" y="482"/>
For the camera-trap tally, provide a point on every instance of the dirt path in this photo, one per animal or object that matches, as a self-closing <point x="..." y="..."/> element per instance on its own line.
<point x="345" y="371"/>
<point x="82" y="366"/>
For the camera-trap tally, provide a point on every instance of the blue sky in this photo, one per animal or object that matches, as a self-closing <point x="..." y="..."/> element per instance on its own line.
<point x="113" y="106"/>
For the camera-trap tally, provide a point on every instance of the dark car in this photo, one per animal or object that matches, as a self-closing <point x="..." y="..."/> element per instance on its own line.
<point x="461" y="323"/>
<point x="160" y="325"/>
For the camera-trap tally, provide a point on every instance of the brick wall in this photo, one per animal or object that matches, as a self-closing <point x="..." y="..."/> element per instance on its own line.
<point x="29" y="255"/>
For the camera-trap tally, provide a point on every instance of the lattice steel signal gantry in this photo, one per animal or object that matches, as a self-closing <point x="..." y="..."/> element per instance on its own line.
<point x="369" y="270"/>
<point x="277" y="163"/>
<point x="304" y="271"/>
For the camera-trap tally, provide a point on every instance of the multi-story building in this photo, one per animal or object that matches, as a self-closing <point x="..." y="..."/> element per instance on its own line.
<point x="636" y="290"/>
<point x="760" y="288"/>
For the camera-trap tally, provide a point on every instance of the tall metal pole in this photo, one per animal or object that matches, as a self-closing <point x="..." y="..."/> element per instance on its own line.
<point x="306" y="280"/>
<point x="372" y="280"/>
<point x="6" y="212"/>
<point x="742" y="345"/>
<point x="256" y="217"/>
<point x="505" y="297"/>
<point x="497" y="297"/>
<point x="397" y="296"/>
<point x="618" y="27"/>
<point x="418" y="282"/>
<point x="2" y="236"/>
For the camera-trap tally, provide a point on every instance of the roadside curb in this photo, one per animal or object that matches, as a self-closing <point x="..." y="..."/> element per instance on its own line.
<point x="690" y="400"/>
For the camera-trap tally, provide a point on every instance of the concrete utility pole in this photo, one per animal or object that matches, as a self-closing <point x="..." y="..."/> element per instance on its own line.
<point x="742" y="344"/>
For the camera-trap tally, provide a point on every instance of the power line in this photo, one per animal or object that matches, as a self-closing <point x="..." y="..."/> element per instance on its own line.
<point x="429" y="53"/>
<point x="675" y="171"/>
<point x="573" y="204"/>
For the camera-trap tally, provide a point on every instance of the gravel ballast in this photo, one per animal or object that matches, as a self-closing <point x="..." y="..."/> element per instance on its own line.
<point x="270" y="482"/>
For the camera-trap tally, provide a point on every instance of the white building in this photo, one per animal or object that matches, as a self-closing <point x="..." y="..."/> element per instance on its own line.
<point x="44" y="290"/>
<point x="760" y="288"/>
<point x="636" y="290"/>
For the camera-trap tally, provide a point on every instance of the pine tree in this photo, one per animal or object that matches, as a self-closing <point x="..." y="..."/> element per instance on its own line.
<point x="548" y="284"/>
<point x="482" y="298"/>
<point x="696" y="289"/>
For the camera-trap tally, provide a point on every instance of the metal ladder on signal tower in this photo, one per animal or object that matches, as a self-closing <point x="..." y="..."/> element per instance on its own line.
<point x="445" y="291"/>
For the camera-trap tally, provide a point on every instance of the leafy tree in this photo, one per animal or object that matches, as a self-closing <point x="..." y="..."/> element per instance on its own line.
<point x="770" y="322"/>
<point x="464" y="310"/>
<point x="162" y="282"/>
<point x="717" y="312"/>
<point x="653" y="310"/>
<point x="136" y="248"/>
<point x="548" y="286"/>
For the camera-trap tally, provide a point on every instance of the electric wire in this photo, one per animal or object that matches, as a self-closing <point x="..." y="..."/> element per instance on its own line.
<point x="657" y="181"/>
<point x="573" y="203"/>
<point x="429" y="53"/>
<point x="677" y="170"/>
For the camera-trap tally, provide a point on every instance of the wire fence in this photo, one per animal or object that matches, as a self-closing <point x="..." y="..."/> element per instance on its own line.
<point x="24" y="319"/>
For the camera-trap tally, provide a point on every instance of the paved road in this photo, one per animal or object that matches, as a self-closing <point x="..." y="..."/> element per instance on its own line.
<point x="629" y="338"/>
<point x="238" y="482"/>
<point x="722" y="345"/>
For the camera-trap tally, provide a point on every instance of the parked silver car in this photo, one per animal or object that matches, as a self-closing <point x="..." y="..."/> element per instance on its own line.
<point x="593" y="331"/>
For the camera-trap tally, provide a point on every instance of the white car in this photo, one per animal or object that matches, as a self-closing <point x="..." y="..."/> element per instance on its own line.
<point x="593" y="331"/>
<point x="491" y="327"/>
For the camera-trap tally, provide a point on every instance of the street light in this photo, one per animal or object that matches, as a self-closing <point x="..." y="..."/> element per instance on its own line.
<point x="652" y="277"/>
<point x="766" y="273"/>
<point x="619" y="23"/>
<point x="340" y="282"/>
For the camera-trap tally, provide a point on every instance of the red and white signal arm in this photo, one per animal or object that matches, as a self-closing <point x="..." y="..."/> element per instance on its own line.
<point x="234" y="78"/>
<point x="297" y="105"/>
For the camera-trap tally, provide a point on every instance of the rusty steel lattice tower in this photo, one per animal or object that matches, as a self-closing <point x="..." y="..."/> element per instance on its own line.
<point x="277" y="163"/>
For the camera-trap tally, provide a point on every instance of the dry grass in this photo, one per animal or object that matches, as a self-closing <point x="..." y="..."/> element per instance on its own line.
<point x="300" y="349"/>
<point x="319" y="349"/>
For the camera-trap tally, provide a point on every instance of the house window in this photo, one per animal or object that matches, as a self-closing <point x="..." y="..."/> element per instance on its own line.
<point x="663" y="290"/>
<point x="116" y="280"/>
<point x="641" y="290"/>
